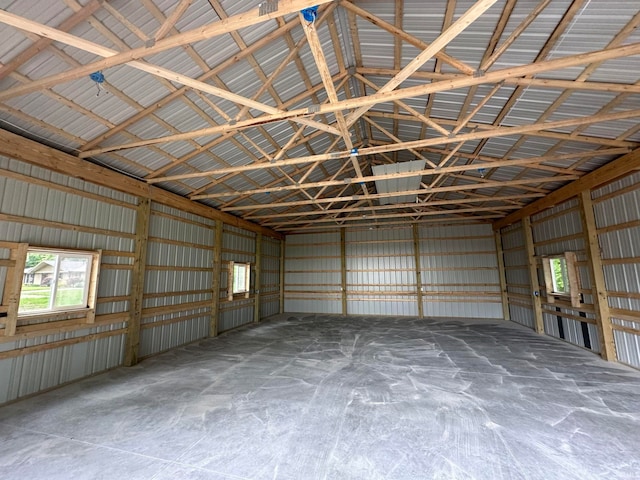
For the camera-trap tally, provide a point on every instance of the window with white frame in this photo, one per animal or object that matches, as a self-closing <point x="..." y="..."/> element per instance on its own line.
<point x="561" y="277"/>
<point x="58" y="281"/>
<point x="239" y="279"/>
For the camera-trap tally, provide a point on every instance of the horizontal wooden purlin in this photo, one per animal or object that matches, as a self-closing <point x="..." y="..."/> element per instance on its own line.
<point x="492" y="162"/>
<point x="20" y="148"/>
<point x="524" y="82"/>
<point x="99" y="50"/>
<point x="242" y="20"/>
<point x="462" y="219"/>
<point x="423" y="191"/>
<point x="431" y="203"/>
<point x="19" y="352"/>
<point x="497" y="132"/>
<point x="414" y="215"/>
<point x="599" y="141"/>
<point x="600" y="176"/>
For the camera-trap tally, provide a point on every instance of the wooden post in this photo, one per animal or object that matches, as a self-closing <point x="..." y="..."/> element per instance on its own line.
<point x="258" y="283"/>
<point x="598" y="285"/>
<point x="143" y="213"/>
<point x="282" y="277"/>
<point x="533" y="275"/>
<point x="343" y="271"/>
<point x="503" y="276"/>
<point x="215" y="281"/>
<point x="13" y="286"/>
<point x="416" y="253"/>
<point x="230" y="280"/>
<point x="92" y="294"/>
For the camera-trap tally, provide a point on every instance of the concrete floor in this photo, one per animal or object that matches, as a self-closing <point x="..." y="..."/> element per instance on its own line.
<point x="327" y="397"/>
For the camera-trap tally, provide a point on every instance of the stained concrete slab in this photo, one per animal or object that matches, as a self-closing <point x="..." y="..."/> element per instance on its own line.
<point x="331" y="397"/>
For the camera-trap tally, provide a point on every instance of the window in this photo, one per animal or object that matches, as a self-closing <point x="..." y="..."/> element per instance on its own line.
<point x="561" y="277"/>
<point x="239" y="279"/>
<point x="58" y="280"/>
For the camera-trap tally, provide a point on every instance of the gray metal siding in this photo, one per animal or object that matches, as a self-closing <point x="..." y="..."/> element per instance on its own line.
<point x="555" y="231"/>
<point x="312" y="273"/>
<point x="238" y="245"/>
<point x="178" y="274"/>
<point x="380" y="269"/>
<point x="86" y="217"/>
<point x="517" y="275"/>
<point x="460" y="260"/>
<point x="270" y="278"/>
<point x="617" y="209"/>
<point x="460" y="275"/>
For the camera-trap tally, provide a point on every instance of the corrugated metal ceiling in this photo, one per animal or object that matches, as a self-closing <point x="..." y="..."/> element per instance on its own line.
<point x="358" y="39"/>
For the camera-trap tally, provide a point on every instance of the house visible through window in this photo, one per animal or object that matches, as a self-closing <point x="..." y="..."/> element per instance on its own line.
<point x="57" y="281"/>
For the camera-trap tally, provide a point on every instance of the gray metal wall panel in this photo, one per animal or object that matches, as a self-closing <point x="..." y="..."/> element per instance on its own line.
<point x="328" y="305"/>
<point x="31" y="373"/>
<point x="453" y="259"/>
<point x="166" y="336"/>
<point x="615" y="205"/>
<point x="551" y="230"/>
<point x="380" y="263"/>
<point x="179" y="266"/>
<point x="627" y="347"/>
<point x="236" y="317"/>
<point x="312" y="273"/>
<point x="269" y="306"/>
<point x="115" y="213"/>
<point x="517" y="275"/>
<point x="522" y="315"/>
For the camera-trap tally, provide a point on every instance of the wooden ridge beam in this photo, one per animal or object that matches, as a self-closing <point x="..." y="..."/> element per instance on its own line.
<point x="607" y="173"/>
